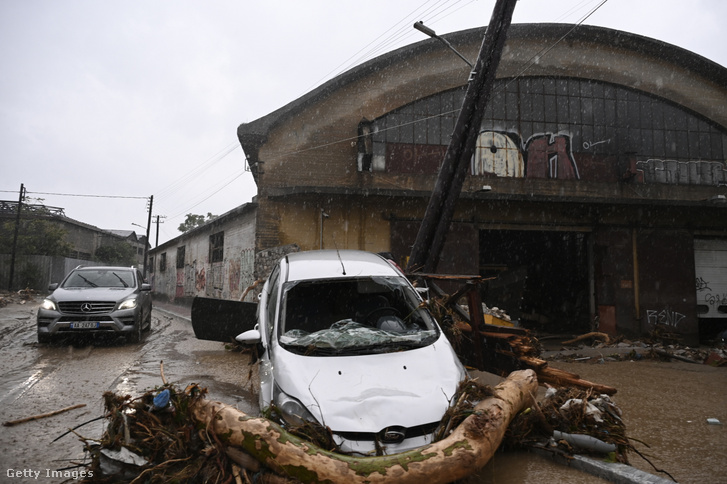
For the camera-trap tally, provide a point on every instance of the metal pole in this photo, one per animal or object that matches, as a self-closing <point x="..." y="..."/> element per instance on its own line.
<point x="146" y="242"/>
<point x="15" y="237"/>
<point x="431" y="33"/>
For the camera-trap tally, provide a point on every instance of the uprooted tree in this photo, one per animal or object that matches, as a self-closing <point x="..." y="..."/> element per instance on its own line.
<point x="193" y="439"/>
<point x="466" y="449"/>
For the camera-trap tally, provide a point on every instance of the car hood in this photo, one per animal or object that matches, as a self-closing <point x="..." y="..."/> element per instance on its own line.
<point x="368" y="393"/>
<point x="93" y="294"/>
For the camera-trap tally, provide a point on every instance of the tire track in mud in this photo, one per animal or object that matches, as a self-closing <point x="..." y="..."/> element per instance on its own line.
<point x="38" y="378"/>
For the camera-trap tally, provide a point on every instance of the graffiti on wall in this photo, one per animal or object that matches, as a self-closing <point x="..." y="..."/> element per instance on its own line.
<point x="683" y="172"/>
<point x="664" y="317"/>
<point x="179" y="292"/>
<point x="545" y="155"/>
<point x="713" y="299"/>
<point x="200" y="280"/>
<point x="234" y="276"/>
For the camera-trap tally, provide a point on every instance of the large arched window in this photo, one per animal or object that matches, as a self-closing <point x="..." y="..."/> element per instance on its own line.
<point x="562" y="128"/>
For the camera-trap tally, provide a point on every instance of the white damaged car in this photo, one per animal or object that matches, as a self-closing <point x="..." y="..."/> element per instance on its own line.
<point x="347" y="342"/>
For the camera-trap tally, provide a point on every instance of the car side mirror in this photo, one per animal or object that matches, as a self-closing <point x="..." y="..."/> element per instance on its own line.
<point x="145" y="286"/>
<point x="53" y="287"/>
<point x="250" y="337"/>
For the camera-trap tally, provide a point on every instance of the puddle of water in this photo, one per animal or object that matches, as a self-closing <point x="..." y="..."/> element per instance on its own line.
<point x="14" y="387"/>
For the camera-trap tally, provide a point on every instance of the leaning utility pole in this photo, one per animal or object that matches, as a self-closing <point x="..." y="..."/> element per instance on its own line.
<point x="438" y="217"/>
<point x="15" y="237"/>
<point x="146" y="242"/>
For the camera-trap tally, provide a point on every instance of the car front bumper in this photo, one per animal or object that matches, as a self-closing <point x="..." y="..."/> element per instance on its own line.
<point x="56" y="323"/>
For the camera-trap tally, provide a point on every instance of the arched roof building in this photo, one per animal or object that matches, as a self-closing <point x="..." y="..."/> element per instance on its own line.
<point x="596" y="194"/>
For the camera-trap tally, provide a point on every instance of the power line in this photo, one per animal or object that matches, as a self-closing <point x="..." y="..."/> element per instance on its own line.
<point x="532" y="61"/>
<point x="88" y="196"/>
<point x="190" y="176"/>
<point x="209" y="196"/>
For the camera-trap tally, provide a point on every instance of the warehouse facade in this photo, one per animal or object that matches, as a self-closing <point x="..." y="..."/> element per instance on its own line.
<point x="595" y="198"/>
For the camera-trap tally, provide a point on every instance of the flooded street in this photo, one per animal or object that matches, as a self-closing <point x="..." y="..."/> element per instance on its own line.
<point x="665" y="404"/>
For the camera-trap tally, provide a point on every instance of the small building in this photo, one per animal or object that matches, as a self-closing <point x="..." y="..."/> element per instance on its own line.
<point x="215" y="260"/>
<point x="84" y="241"/>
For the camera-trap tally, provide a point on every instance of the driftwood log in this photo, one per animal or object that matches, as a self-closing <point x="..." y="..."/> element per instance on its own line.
<point x="468" y="448"/>
<point x="592" y="335"/>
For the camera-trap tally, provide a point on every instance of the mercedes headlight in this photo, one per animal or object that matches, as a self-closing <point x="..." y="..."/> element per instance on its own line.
<point x="49" y="305"/>
<point x="128" y="304"/>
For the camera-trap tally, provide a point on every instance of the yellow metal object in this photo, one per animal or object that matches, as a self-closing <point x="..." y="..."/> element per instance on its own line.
<point x="490" y="319"/>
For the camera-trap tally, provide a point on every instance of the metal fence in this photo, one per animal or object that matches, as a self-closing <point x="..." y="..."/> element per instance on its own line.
<point x="37" y="271"/>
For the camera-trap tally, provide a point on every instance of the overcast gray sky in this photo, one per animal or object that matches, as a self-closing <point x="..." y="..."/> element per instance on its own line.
<point x="136" y="98"/>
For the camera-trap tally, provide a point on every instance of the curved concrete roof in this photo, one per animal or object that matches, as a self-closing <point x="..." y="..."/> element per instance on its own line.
<point x="584" y="51"/>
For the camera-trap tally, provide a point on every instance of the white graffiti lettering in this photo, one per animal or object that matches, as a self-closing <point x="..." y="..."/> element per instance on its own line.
<point x="666" y="317"/>
<point x="587" y="145"/>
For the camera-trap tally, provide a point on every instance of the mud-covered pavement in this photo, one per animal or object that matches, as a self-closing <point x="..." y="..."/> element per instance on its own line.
<point x="36" y="379"/>
<point x="664" y="404"/>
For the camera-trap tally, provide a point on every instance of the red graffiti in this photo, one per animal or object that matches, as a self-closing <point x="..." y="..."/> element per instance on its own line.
<point x="550" y="156"/>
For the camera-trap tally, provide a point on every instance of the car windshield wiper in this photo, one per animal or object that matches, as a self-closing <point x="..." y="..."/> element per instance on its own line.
<point x="92" y="284"/>
<point x="119" y="278"/>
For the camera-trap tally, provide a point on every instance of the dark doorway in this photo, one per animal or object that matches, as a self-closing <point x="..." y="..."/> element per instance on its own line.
<point x="540" y="277"/>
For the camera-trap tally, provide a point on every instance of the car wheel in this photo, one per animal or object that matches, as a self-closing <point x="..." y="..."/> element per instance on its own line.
<point x="147" y="321"/>
<point x="135" y="335"/>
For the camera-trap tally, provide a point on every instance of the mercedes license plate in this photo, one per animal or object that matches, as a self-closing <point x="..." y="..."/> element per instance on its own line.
<point x="84" y="325"/>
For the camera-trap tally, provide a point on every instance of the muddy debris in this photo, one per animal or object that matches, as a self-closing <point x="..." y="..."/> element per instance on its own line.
<point x="154" y="439"/>
<point x="600" y="350"/>
<point x="157" y="438"/>
<point x="17" y="297"/>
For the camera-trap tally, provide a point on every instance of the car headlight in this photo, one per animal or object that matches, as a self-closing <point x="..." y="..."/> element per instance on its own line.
<point x="291" y="409"/>
<point x="49" y="305"/>
<point x="128" y="304"/>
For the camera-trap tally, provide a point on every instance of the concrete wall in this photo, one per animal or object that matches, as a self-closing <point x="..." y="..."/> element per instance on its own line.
<point x="196" y="274"/>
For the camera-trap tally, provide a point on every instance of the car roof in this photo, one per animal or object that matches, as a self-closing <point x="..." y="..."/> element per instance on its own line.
<point x="332" y="264"/>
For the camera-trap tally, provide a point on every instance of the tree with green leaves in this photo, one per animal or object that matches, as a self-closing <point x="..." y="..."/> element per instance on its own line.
<point x="192" y="221"/>
<point x="118" y="254"/>
<point x="36" y="236"/>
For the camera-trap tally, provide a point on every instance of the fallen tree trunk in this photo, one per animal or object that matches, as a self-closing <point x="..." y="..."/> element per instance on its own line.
<point x="592" y="335"/>
<point x="468" y="448"/>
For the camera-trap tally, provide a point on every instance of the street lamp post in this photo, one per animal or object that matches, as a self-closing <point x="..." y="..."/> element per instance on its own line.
<point x="431" y="33"/>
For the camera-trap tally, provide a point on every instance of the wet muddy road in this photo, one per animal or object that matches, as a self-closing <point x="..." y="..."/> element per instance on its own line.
<point x="36" y="379"/>
<point x="665" y="404"/>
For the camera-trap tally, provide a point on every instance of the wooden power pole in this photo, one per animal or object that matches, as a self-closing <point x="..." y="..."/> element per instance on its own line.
<point x="438" y="216"/>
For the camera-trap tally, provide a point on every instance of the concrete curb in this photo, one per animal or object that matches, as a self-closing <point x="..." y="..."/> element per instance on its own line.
<point x="172" y="313"/>
<point x="612" y="472"/>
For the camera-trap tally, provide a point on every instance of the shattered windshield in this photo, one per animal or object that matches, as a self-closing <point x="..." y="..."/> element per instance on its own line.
<point x="356" y="316"/>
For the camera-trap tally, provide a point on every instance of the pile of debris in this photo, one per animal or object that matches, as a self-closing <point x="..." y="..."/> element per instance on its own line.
<point x="573" y="421"/>
<point x="172" y="436"/>
<point x="154" y="438"/>
<point x="600" y="348"/>
<point x="496" y="348"/>
<point x="18" y="297"/>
